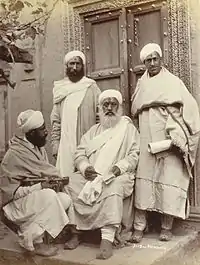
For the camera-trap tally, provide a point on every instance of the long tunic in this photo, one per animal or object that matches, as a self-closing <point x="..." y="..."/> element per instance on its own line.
<point x="165" y="110"/>
<point x="74" y="112"/>
<point x="111" y="208"/>
<point x="162" y="180"/>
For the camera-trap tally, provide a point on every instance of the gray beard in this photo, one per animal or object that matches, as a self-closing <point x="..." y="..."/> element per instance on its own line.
<point x="107" y="121"/>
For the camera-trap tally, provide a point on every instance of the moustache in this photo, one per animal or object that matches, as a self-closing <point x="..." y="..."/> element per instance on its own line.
<point x="73" y="72"/>
<point x="109" y="113"/>
<point x="153" y="68"/>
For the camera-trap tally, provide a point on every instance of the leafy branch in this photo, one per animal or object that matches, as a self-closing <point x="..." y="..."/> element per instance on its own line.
<point x="13" y="29"/>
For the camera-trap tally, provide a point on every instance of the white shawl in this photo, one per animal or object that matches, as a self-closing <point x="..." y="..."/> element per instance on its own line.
<point x="73" y="95"/>
<point x="109" y="142"/>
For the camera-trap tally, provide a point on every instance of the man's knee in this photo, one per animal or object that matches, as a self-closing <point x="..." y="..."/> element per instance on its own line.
<point x="48" y="194"/>
<point x="64" y="199"/>
<point x="51" y="195"/>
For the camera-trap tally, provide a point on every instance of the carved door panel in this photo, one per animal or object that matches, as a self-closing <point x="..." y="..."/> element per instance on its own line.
<point x="146" y="23"/>
<point x="106" y="51"/>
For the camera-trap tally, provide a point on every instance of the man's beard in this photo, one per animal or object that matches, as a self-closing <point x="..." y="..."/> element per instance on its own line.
<point x="75" y="76"/>
<point x="109" y="121"/>
<point x="36" y="140"/>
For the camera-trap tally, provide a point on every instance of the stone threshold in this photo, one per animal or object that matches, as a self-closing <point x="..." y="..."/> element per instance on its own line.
<point x="150" y="251"/>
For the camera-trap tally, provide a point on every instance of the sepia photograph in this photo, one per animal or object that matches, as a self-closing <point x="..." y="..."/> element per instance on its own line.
<point x="99" y="132"/>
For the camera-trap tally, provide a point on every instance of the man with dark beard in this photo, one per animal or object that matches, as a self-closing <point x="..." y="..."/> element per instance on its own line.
<point x="74" y="111"/>
<point x="33" y="208"/>
<point x="106" y="160"/>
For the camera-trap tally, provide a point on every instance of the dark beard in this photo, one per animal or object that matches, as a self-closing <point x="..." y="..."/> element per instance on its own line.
<point x="36" y="141"/>
<point x="75" y="76"/>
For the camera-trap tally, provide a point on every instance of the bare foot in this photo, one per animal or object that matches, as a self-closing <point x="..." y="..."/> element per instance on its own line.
<point x="41" y="250"/>
<point x="73" y="242"/>
<point x="165" y="235"/>
<point x="106" y="250"/>
<point x="45" y="250"/>
<point x="137" y="236"/>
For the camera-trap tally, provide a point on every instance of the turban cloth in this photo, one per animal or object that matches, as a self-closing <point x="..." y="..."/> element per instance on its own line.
<point x="73" y="54"/>
<point x="30" y="120"/>
<point x="110" y="93"/>
<point x="148" y="49"/>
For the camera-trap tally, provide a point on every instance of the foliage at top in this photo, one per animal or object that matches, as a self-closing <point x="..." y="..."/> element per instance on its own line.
<point x="12" y="28"/>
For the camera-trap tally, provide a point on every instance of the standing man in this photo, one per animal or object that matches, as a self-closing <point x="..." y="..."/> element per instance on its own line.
<point x="74" y="110"/>
<point x="169" y="125"/>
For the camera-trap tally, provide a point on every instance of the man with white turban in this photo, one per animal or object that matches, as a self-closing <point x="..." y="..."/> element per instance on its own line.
<point x="168" y="120"/>
<point x="106" y="160"/>
<point x="33" y="208"/>
<point x="74" y="110"/>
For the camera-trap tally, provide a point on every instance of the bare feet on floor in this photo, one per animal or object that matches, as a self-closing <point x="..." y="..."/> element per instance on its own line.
<point x="73" y="242"/>
<point x="106" y="250"/>
<point x="137" y="236"/>
<point x="165" y="235"/>
<point x="42" y="250"/>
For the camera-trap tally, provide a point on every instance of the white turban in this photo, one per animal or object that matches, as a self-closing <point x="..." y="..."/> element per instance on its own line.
<point x="30" y="120"/>
<point x="148" y="49"/>
<point x="73" y="54"/>
<point x="110" y="93"/>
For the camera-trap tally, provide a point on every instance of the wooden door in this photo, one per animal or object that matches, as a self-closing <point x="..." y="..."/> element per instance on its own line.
<point x="106" y="51"/>
<point x="145" y="23"/>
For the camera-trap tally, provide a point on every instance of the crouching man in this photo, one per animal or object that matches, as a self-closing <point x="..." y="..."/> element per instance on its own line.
<point x="33" y="208"/>
<point x="106" y="160"/>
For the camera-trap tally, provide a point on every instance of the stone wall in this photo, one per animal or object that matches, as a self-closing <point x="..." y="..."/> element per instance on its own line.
<point x="50" y="57"/>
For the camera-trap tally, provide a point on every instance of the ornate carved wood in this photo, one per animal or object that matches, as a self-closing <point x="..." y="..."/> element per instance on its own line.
<point x="178" y="28"/>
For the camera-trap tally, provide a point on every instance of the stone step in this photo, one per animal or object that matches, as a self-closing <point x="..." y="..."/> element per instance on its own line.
<point x="149" y="252"/>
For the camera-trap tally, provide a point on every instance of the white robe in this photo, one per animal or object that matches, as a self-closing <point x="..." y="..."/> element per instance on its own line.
<point x="165" y="110"/>
<point x="71" y="119"/>
<point x="114" y="205"/>
<point x="33" y="209"/>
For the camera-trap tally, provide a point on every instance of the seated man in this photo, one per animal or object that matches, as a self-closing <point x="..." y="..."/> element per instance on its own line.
<point x="106" y="160"/>
<point x="37" y="208"/>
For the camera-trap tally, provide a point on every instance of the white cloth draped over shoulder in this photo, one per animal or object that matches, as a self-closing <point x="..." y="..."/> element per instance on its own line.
<point x="165" y="89"/>
<point x="109" y="142"/>
<point x="165" y="110"/>
<point x="73" y="95"/>
<point x="115" y="147"/>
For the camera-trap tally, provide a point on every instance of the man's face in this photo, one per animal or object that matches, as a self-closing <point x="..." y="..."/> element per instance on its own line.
<point x="38" y="136"/>
<point x="75" y="69"/>
<point x="110" y="106"/>
<point x="153" y="63"/>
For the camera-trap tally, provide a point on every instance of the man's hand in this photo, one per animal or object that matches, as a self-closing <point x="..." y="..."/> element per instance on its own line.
<point x="47" y="185"/>
<point x="55" y="156"/>
<point x="55" y="148"/>
<point x="116" y="171"/>
<point x="90" y="173"/>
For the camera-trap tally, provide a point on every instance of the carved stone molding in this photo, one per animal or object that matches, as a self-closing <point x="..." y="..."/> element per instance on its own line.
<point x="178" y="28"/>
<point x="179" y="54"/>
